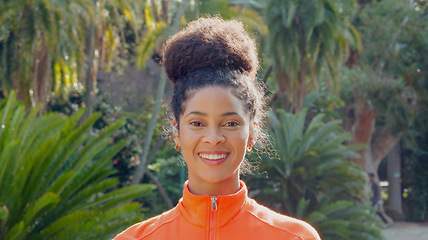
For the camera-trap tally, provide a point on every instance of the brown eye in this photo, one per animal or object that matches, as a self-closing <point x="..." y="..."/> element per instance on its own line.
<point x="196" y="124"/>
<point x="232" y="124"/>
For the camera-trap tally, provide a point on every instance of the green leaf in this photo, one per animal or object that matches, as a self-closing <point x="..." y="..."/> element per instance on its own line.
<point x="302" y="207"/>
<point x="112" y="198"/>
<point x="60" y="183"/>
<point x="313" y="179"/>
<point x="340" y="205"/>
<point x="40" y="163"/>
<point x="4" y="213"/>
<point x="5" y="113"/>
<point x="68" y="221"/>
<point x="146" y="47"/>
<point x="7" y="163"/>
<point x="316" y="217"/>
<point x="42" y="205"/>
<point x="16" y="232"/>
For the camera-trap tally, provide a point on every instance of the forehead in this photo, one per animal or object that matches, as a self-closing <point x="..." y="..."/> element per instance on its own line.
<point x="214" y="99"/>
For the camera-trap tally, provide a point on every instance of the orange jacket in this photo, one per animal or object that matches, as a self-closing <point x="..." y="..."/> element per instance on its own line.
<point x="225" y="217"/>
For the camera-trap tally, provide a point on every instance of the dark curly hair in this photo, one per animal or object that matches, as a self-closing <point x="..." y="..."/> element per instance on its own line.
<point x="210" y="43"/>
<point x="214" y="52"/>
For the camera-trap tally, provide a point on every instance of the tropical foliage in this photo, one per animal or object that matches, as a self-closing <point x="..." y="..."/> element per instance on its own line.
<point x="313" y="180"/>
<point x="34" y="33"/>
<point x="386" y="94"/>
<point x="48" y="45"/>
<point x="385" y="91"/>
<point x="126" y="159"/>
<point x="307" y="41"/>
<point x="55" y="177"/>
<point x="415" y="179"/>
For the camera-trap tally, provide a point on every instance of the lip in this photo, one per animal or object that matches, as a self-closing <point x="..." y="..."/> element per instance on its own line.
<point x="213" y="162"/>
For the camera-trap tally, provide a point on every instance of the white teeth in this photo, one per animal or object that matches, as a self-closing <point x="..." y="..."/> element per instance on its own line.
<point x="212" y="156"/>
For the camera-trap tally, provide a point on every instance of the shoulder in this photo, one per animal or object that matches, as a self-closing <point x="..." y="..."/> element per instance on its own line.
<point x="291" y="225"/>
<point x="145" y="228"/>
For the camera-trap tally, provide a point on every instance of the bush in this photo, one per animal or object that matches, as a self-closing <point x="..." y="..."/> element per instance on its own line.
<point x="313" y="180"/>
<point x="415" y="177"/>
<point x="127" y="158"/>
<point x="55" y="177"/>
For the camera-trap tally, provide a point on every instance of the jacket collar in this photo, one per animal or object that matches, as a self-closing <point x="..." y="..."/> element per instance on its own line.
<point x="198" y="209"/>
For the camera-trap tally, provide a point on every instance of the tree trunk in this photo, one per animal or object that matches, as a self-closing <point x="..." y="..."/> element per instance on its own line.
<point x="161" y="189"/>
<point x="284" y="81"/>
<point x="383" y="142"/>
<point x="360" y="121"/>
<point x="293" y="90"/>
<point x="20" y="72"/>
<point x="300" y="87"/>
<point x="89" y="85"/>
<point x="395" y="208"/>
<point x="21" y="84"/>
<point x="141" y="168"/>
<point x="42" y="69"/>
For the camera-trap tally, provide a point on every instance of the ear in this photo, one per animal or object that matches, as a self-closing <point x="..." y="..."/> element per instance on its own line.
<point x="254" y="129"/>
<point x="175" y="132"/>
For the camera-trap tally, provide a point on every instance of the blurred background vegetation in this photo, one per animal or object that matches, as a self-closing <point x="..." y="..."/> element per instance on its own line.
<point x="83" y="104"/>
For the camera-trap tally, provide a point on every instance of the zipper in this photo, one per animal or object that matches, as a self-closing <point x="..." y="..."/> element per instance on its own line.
<point x="214" y="209"/>
<point x="214" y="204"/>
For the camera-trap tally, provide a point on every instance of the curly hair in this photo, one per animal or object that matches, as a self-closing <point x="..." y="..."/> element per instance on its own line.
<point x="214" y="52"/>
<point x="210" y="43"/>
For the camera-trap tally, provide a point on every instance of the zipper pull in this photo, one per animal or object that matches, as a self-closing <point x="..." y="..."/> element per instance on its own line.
<point x="214" y="204"/>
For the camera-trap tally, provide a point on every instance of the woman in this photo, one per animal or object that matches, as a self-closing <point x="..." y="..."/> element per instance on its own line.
<point x="217" y="109"/>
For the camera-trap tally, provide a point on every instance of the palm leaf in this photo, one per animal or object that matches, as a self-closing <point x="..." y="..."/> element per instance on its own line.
<point x="315" y="180"/>
<point x="16" y="232"/>
<point x="50" y="169"/>
<point x="146" y="47"/>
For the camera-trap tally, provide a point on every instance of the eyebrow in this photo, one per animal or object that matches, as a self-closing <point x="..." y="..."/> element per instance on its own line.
<point x="197" y="113"/>
<point x="204" y="114"/>
<point x="229" y="114"/>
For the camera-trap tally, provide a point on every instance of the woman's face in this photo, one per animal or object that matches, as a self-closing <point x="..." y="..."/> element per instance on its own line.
<point x="213" y="134"/>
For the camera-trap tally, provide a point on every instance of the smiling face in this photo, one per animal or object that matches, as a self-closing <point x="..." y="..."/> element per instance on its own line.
<point x="214" y="131"/>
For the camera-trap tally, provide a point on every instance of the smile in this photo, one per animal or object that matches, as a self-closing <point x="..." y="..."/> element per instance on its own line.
<point x="212" y="156"/>
<point x="213" y="159"/>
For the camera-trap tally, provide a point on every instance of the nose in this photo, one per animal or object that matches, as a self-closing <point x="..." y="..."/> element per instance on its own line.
<point x="214" y="136"/>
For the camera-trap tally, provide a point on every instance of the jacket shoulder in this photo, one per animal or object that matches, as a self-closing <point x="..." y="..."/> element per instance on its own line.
<point x="143" y="229"/>
<point x="298" y="228"/>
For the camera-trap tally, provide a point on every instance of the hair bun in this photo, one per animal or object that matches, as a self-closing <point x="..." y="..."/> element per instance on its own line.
<point x="210" y="43"/>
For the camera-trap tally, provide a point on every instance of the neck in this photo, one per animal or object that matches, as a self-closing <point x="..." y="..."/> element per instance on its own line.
<point x="214" y="189"/>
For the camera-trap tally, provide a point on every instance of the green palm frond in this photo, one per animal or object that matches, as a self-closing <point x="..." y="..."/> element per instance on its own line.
<point x="148" y="44"/>
<point x="308" y="40"/>
<point x="343" y="220"/>
<point x="55" y="177"/>
<point x="312" y="178"/>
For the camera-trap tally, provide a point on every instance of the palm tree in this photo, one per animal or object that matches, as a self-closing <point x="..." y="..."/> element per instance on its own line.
<point x="307" y="41"/>
<point x="55" y="179"/>
<point x="107" y="38"/>
<point x="312" y="179"/>
<point x="44" y="39"/>
<point x="39" y="32"/>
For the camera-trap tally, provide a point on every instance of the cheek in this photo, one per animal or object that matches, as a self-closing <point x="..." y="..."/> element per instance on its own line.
<point x="188" y="138"/>
<point x="239" y="140"/>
